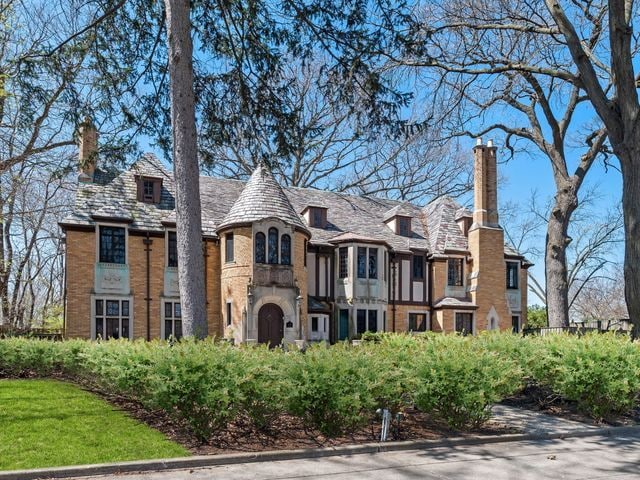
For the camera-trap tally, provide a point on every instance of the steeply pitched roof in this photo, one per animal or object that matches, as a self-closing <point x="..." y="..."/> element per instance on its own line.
<point x="262" y="198"/>
<point x="444" y="232"/>
<point x="226" y="202"/>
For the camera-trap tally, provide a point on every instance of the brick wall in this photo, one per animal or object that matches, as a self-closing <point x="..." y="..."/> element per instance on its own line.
<point x="234" y="277"/>
<point x="300" y="274"/>
<point x="137" y="259"/>
<point x="213" y="262"/>
<point x="80" y="261"/>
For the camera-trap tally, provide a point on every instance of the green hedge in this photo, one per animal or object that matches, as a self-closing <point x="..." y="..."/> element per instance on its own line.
<point x="337" y="389"/>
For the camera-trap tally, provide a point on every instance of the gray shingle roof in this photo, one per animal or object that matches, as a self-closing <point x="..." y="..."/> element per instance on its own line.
<point x="262" y="198"/>
<point x="226" y="202"/>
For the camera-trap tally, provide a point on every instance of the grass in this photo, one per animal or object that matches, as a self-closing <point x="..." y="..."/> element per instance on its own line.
<point x="47" y="423"/>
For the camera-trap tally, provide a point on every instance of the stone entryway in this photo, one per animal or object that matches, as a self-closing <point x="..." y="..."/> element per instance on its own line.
<point x="270" y="325"/>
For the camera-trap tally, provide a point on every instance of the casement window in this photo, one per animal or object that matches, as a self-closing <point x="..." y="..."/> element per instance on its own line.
<point x="343" y="259"/>
<point x="362" y="262"/>
<point x="172" y="249"/>
<point x="418" y="267"/>
<point x="404" y="226"/>
<point x="112" y="244"/>
<point x="228" y="247"/>
<point x="112" y="318"/>
<point x="515" y="323"/>
<point x="172" y="320"/>
<point x="285" y="250"/>
<point x="455" y="272"/>
<point x="229" y="313"/>
<point x="149" y="189"/>
<point x="260" y="248"/>
<point x="273" y="245"/>
<point x="464" y="323"/>
<point x="512" y="275"/>
<point x="373" y="263"/>
<point x="366" y="321"/>
<point x="367" y="262"/>
<point x="384" y="266"/>
<point x="418" y="322"/>
<point x="314" y="324"/>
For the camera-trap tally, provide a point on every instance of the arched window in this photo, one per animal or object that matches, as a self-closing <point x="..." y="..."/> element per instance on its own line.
<point x="285" y="250"/>
<point x="273" y="245"/>
<point x="260" y="247"/>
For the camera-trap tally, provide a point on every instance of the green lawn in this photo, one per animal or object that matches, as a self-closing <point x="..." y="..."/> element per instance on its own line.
<point x="46" y="423"/>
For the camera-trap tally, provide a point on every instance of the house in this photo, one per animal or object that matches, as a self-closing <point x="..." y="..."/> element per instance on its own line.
<point x="286" y="264"/>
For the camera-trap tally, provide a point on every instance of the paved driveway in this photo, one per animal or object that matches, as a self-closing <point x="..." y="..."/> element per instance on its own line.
<point x="573" y="458"/>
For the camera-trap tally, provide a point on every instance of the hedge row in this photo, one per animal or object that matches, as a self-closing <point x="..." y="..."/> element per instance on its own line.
<point x="336" y="389"/>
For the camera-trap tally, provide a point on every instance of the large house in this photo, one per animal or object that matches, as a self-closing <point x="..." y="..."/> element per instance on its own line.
<point x="286" y="264"/>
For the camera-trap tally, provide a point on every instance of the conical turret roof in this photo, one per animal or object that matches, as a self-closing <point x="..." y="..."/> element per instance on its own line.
<point x="262" y="198"/>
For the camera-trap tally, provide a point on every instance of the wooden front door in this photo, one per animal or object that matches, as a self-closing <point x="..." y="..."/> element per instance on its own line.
<point x="270" y="325"/>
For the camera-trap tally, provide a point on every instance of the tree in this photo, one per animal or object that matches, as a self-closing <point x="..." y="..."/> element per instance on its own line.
<point x="606" y="74"/>
<point x="536" y="317"/>
<point x="603" y="299"/>
<point x="186" y="170"/>
<point x="496" y="58"/>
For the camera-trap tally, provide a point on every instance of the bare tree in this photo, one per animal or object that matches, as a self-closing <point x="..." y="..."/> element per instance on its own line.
<point x="186" y="170"/>
<point x="602" y="299"/>
<point x="329" y="151"/>
<point x="496" y="62"/>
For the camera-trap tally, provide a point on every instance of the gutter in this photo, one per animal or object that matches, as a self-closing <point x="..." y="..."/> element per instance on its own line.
<point x="147" y="242"/>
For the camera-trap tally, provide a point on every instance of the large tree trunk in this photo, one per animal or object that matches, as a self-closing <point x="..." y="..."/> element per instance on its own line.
<point x="630" y="165"/>
<point x="185" y="161"/>
<point x="557" y="284"/>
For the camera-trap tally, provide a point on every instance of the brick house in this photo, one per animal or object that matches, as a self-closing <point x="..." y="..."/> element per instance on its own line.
<point x="286" y="264"/>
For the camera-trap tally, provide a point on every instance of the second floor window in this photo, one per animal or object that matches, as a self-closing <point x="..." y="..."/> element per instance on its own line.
<point x="261" y="248"/>
<point x="343" y="267"/>
<point x="373" y="263"/>
<point x="273" y="245"/>
<point x="172" y="249"/>
<point x="112" y="245"/>
<point x="418" y="267"/>
<point x="512" y="275"/>
<point x="367" y="262"/>
<point x="362" y="262"/>
<point x="455" y="278"/>
<point x="228" y="247"/>
<point x="285" y="250"/>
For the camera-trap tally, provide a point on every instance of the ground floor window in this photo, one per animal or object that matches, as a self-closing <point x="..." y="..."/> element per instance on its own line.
<point x="112" y="318"/>
<point x="464" y="323"/>
<point x="366" y="321"/>
<point x="515" y="323"/>
<point x="418" y="322"/>
<point x="172" y="320"/>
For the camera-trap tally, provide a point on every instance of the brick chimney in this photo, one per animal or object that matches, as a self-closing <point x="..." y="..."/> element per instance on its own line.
<point x="88" y="150"/>
<point x="485" y="185"/>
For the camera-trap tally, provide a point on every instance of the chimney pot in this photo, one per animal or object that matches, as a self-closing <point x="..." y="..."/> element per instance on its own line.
<point x="479" y="142"/>
<point x="490" y="143"/>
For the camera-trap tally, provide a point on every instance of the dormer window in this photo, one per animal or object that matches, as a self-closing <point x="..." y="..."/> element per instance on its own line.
<point x="149" y="189"/>
<point x="315" y="216"/>
<point x="403" y="225"/>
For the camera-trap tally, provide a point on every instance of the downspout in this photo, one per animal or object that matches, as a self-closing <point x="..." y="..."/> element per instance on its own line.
<point x="147" y="243"/>
<point x="393" y="291"/>
<point x="430" y="290"/>
<point x="64" y="289"/>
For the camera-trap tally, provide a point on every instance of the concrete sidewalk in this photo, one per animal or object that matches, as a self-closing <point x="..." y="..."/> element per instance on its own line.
<point x="586" y="458"/>
<point x="533" y="422"/>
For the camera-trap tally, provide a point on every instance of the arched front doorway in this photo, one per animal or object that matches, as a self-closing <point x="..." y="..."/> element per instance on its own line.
<point x="270" y="325"/>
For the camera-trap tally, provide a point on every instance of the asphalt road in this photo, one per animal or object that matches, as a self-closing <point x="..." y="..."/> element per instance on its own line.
<point x="573" y="458"/>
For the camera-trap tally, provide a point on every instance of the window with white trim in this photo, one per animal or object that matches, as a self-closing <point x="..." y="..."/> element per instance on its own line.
<point x="112" y="318"/>
<point x="172" y="320"/>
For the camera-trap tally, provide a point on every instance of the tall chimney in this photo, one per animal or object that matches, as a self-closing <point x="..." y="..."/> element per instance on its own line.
<point x="88" y="147"/>
<point x="485" y="185"/>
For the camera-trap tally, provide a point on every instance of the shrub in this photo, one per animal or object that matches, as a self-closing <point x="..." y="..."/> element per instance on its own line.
<point x="329" y="388"/>
<point x="458" y="380"/>
<point x="601" y="372"/>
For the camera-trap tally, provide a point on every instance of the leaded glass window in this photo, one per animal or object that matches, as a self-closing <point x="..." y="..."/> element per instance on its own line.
<point x="112" y="245"/>
<point x="172" y="247"/>
<point x="373" y="263"/>
<point x="260" y="248"/>
<point x="273" y="245"/>
<point x="362" y="262"/>
<point x="285" y="250"/>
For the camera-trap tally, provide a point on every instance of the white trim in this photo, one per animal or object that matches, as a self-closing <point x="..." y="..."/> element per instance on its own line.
<point x="104" y="299"/>
<point x="126" y="239"/>
<point x="164" y="300"/>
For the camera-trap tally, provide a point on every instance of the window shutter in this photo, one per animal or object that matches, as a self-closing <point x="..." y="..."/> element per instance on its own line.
<point x="139" y="187"/>
<point x="157" y="189"/>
